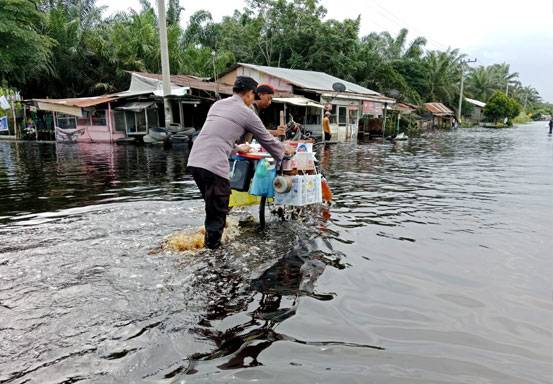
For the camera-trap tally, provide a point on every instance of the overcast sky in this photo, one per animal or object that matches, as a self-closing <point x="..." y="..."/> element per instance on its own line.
<point x="514" y="31"/>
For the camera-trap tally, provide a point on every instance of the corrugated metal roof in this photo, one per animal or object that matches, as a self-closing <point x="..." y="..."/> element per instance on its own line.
<point x="404" y="107"/>
<point x="191" y="82"/>
<point x="81" y="102"/>
<point x="312" y="80"/>
<point x="478" y="103"/>
<point x="438" y="109"/>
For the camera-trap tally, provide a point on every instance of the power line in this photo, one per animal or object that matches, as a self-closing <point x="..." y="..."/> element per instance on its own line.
<point x="402" y="23"/>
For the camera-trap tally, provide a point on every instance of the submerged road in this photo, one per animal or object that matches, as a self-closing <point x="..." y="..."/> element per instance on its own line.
<point x="433" y="266"/>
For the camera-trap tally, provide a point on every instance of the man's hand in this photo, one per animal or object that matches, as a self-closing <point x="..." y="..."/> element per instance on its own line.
<point x="243" y="148"/>
<point x="280" y="131"/>
<point x="289" y="151"/>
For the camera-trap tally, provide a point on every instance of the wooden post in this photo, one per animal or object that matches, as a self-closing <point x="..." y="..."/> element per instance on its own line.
<point x="55" y="125"/>
<point x="323" y="111"/>
<point x="109" y="123"/>
<point x="146" y="118"/>
<point x="14" y="119"/>
<point x="181" y="115"/>
<point x="384" y="122"/>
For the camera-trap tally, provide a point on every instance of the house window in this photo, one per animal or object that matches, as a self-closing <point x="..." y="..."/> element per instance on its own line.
<point x="98" y="118"/>
<point x="83" y="121"/>
<point x="66" y="121"/>
<point x="131" y="122"/>
<point x="140" y="119"/>
<point x="342" y="115"/>
<point x="152" y="118"/>
<point x="119" y="120"/>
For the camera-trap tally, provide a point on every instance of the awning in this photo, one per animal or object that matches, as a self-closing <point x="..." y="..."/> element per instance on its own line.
<point x="181" y="91"/>
<point x="136" y="106"/>
<point x="378" y="99"/>
<point x="67" y="109"/>
<point x="72" y="106"/>
<point x="301" y="101"/>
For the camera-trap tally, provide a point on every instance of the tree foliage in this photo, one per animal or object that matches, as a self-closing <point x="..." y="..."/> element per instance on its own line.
<point x="66" y="48"/>
<point x="501" y="106"/>
<point x="25" y="51"/>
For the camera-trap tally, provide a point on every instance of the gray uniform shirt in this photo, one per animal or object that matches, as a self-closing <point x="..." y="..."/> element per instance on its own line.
<point x="227" y="121"/>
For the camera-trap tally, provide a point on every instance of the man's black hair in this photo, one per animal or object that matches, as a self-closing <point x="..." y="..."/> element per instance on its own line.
<point x="244" y="84"/>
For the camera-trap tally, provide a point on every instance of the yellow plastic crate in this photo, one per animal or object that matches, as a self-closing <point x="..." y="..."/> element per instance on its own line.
<point x="242" y="199"/>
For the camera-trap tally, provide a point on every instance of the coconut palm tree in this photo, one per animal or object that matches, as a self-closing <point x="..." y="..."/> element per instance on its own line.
<point x="481" y="83"/>
<point x="24" y="49"/>
<point x="442" y="75"/>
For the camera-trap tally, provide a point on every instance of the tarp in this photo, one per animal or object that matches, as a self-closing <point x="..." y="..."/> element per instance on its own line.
<point x="67" y="109"/>
<point x="4" y="103"/>
<point x="182" y="91"/>
<point x="475" y="102"/>
<point x="136" y="106"/>
<point x="3" y="124"/>
<point x="301" y="101"/>
<point x="72" y="106"/>
<point x="141" y="85"/>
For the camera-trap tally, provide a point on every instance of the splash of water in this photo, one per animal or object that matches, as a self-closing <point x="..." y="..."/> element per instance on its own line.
<point x="193" y="239"/>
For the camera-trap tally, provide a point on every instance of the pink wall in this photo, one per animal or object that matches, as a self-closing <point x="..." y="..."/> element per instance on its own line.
<point x="278" y="84"/>
<point x="100" y="133"/>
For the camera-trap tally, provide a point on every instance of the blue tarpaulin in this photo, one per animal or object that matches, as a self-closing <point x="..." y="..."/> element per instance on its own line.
<point x="3" y="123"/>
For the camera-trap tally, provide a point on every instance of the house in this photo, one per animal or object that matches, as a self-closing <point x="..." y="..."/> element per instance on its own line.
<point x="477" y="113"/>
<point x="347" y="102"/>
<point x="132" y="112"/>
<point x="439" y="115"/>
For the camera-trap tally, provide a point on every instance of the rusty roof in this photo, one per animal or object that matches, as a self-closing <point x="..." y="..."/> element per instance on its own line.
<point x="404" y="107"/>
<point x="438" y="109"/>
<point x="192" y="82"/>
<point x="81" y="102"/>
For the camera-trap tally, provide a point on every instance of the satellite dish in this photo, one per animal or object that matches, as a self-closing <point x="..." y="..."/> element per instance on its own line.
<point x="339" y="87"/>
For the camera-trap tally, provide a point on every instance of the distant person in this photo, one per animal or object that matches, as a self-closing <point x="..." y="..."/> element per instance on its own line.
<point x="326" y="126"/>
<point x="551" y="125"/>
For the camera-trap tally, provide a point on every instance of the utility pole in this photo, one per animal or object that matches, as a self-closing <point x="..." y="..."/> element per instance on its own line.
<point x="213" y="54"/>
<point x="463" y="62"/>
<point x="165" y="71"/>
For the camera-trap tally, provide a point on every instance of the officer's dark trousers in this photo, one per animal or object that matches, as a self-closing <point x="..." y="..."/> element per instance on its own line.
<point x="215" y="191"/>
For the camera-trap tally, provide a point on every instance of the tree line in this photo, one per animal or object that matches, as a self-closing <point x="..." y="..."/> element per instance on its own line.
<point x="68" y="48"/>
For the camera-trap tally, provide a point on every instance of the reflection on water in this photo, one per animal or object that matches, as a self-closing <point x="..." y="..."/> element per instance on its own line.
<point x="432" y="266"/>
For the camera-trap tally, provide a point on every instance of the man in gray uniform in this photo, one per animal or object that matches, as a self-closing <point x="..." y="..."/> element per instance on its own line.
<point x="227" y="121"/>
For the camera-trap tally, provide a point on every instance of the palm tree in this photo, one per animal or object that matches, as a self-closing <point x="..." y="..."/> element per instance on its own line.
<point x="397" y="48"/>
<point x="525" y="95"/>
<point x="481" y="83"/>
<point x="443" y="73"/>
<point x="25" y="51"/>
<point x="503" y="75"/>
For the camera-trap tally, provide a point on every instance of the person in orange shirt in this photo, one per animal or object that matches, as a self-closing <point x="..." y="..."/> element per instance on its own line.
<point x="326" y="126"/>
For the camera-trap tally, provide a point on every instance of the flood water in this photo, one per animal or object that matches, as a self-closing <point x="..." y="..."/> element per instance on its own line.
<point x="433" y="265"/>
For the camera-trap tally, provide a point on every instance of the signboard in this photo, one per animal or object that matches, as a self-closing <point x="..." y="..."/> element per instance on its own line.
<point x="372" y="108"/>
<point x="4" y="124"/>
<point x="328" y="107"/>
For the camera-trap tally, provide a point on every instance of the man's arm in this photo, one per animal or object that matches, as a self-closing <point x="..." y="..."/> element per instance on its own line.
<point x="267" y="141"/>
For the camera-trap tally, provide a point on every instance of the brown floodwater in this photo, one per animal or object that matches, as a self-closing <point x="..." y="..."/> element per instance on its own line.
<point x="433" y="265"/>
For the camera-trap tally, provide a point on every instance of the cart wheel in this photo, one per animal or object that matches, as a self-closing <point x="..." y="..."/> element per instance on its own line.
<point x="262" y="204"/>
